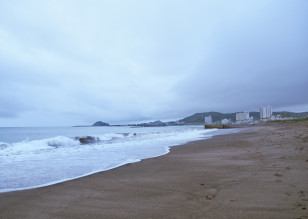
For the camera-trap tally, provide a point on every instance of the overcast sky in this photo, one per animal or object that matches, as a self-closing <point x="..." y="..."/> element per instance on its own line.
<point x="75" y="62"/>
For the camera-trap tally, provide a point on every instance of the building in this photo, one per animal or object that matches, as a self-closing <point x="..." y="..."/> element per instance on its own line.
<point x="242" y="118"/>
<point x="208" y="120"/>
<point x="265" y="112"/>
<point x="226" y="121"/>
<point x="275" y="117"/>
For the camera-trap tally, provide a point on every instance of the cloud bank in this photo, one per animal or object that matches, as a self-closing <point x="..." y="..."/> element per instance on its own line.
<point x="76" y="62"/>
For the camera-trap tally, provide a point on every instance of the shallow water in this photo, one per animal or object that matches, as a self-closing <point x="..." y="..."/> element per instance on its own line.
<point x="34" y="157"/>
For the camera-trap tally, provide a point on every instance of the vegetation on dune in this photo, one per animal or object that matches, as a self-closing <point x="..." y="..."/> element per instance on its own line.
<point x="290" y="120"/>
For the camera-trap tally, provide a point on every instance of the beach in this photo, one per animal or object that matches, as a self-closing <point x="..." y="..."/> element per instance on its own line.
<point x="259" y="172"/>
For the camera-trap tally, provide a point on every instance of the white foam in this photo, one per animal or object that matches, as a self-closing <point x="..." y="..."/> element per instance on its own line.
<point x="109" y="136"/>
<point x="37" y="145"/>
<point x="67" y="179"/>
<point x="61" y="141"/>
<point x="37" y="163"/>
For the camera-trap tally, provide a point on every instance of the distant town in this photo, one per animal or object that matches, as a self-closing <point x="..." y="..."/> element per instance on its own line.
<point x="242" y="118"/>
<point x="224" y="119"/>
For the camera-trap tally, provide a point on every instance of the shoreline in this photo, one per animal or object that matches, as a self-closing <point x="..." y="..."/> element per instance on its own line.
<point x="167" y="151"/>
<point x="257" y="172"/>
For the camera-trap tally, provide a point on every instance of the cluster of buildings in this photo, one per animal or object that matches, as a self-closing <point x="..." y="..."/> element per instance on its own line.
<point x="208" y="121"/>
<point x="244" y="118"/>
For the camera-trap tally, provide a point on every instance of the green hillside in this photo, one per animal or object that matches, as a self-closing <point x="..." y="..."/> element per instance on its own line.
<point x="198" y="118"/>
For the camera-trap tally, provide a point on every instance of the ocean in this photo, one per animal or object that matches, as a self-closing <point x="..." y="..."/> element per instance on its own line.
<point x="36" y="157"/>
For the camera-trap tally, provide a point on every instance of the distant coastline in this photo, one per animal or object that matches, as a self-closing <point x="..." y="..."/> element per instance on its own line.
<point x="198" y="119"/>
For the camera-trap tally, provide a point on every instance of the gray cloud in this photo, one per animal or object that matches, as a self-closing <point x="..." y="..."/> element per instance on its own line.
<point x="71" y="62"/>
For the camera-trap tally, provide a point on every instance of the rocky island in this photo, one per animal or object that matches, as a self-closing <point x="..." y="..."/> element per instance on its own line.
<point x="100" y="123"/>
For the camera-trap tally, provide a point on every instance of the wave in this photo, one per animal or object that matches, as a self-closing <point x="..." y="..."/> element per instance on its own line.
<point x="61" y="141"/>
<point x="36" y="145"/>
<point x="115" y="139"/>
<point x="47" y="161"/>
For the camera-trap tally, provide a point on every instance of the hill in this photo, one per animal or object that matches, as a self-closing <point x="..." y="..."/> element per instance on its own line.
<point x="152" y="124"/>
<point x="100" y="123"/>
<point x="198" y="118"/>
<point x="291" y="114"/>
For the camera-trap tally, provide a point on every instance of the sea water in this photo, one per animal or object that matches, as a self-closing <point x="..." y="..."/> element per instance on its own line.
<point x="35" y="157"/>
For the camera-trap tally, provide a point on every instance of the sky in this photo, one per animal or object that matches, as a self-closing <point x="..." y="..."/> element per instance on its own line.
<point x="76" y="62"/>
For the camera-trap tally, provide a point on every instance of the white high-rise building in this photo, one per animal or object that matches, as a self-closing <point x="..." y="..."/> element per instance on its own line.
<point x="208" y="120"/>
<point x="265" y="112"/>
<point x="242" y="118"/>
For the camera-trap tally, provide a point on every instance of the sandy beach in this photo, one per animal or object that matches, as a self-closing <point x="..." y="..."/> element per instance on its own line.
<point x="260" y="172"/>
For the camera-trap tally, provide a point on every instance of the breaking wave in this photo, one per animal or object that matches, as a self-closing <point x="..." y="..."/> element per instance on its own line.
<point x="33" y="163"/>
<point x="61" y="141"/>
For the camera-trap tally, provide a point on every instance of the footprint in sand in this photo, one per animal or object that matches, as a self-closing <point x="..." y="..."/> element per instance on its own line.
<point x="300" y="205"/>
<point x="305" y="139"/>
<point x="301" y="194"/>
<point x="210" y="194"/>
<point x="278" y="175"/>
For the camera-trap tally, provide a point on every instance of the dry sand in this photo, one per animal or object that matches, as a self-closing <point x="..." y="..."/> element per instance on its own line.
<point x="261" y="172"/>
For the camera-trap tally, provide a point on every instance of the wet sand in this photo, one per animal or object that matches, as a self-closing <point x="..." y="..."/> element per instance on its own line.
<point x="260" y="172"/>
